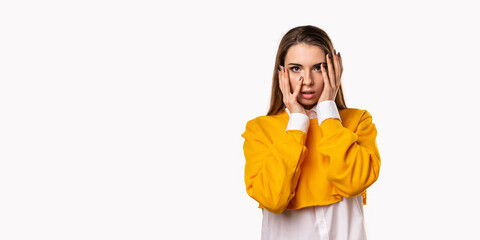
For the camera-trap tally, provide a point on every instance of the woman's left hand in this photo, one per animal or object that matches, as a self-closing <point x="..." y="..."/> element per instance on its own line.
<point x="332" y="79"/>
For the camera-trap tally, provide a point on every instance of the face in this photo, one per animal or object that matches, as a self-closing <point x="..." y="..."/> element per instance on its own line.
<point x="304" y="60"/>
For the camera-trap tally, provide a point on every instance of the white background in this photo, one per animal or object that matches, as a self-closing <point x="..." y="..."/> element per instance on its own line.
<point x="122" y="119"/>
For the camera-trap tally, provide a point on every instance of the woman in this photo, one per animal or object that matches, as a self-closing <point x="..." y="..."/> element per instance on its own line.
<point x="310" y="160"/>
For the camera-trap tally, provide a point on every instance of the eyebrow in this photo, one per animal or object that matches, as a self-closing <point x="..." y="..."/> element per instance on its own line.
<point x="297" y="64"/>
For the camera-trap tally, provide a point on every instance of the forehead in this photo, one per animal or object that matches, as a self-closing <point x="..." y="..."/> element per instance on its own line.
<point x="305" y="53"/>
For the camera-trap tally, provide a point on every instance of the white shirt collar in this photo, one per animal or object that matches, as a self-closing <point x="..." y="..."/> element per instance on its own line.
<point x="312" y="113"/>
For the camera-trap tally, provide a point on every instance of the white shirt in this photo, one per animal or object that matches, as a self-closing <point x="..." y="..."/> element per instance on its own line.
<point x="342" y="220"/>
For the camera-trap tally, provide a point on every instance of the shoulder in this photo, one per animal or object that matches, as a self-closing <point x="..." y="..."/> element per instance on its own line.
<point x="263" y="125"/>
<point x="352" y="117"/>
<point x="357" y="113"/>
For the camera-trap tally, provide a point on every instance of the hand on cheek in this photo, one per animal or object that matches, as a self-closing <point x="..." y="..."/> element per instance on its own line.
<point x="331" y="76"/>
<point x="289" y="97"/>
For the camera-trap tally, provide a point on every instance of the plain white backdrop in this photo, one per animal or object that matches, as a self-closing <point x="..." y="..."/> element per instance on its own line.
<point x="122" y="119"/>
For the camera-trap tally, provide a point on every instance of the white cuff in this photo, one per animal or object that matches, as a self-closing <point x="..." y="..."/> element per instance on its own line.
<point x="327" y="109"/>
<point x="298" y="121"/>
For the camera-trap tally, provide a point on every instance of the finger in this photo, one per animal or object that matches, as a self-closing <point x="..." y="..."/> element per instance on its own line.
<point x="325" y="76"/>
<point x="297" y="88"/>
<point x="331" y="72"/>
<point x="287" y="81"/>
<point x="336" y="63"/>
<point x="280" y="81"/>
<point x="337" y="69"/>
<point x="285" y="91"/>
<point x="341" y="64"/>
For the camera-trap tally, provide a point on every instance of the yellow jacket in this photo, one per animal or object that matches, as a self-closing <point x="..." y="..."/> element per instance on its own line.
<point x="288" y="170"/>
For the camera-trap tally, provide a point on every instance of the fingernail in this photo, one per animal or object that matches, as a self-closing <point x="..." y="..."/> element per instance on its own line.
<point x="335" y="51"/>
<point x="329" y="55"/>
<point x="300" y="78"/>
<point x="339" y="54"/>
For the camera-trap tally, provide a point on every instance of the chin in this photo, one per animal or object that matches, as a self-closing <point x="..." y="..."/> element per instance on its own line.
<point x="308" y="104"/>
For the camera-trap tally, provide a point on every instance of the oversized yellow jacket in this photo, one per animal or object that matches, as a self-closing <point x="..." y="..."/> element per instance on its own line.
<point x="293" y="169"/>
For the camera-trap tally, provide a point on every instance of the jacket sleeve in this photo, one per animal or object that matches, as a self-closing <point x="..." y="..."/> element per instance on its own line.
<point x="272" y="169"/>
<point x="354" y="156"/>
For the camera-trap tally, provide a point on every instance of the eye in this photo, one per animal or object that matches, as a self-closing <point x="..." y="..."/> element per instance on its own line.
<point x="318" y="68"/>
<point x="292" y="68"/>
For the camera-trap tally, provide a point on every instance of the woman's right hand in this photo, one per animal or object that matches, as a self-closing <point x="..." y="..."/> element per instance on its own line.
<point x="290" y="99"/>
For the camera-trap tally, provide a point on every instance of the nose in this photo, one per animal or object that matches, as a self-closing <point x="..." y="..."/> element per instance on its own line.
<point x="307" y="80"/>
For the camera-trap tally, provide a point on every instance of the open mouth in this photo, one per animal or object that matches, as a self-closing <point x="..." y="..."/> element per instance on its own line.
<point x="307" y="95"/>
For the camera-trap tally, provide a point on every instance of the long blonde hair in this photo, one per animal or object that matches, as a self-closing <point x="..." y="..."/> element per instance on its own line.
<point x="307" y="34"/>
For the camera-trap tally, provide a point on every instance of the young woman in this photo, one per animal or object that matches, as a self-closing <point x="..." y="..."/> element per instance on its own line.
<point x="310" y="160"/>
